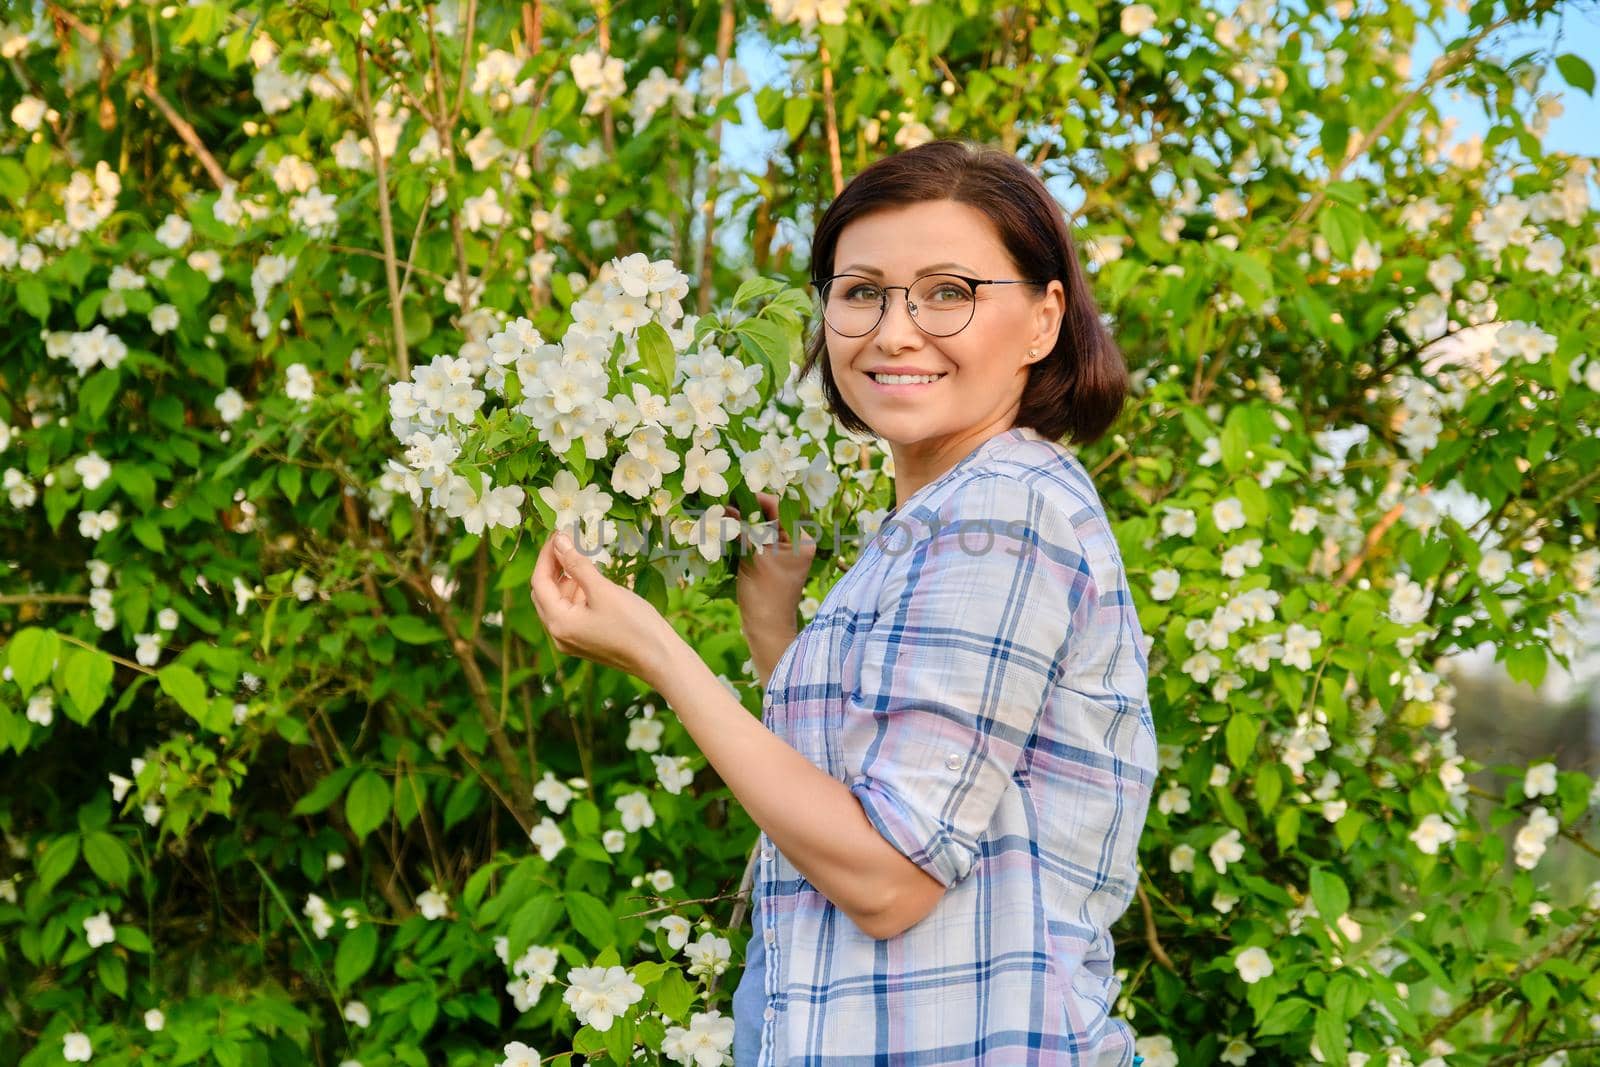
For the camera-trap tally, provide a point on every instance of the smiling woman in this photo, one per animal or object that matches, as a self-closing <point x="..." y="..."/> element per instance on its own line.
<point x="977" y="679"/>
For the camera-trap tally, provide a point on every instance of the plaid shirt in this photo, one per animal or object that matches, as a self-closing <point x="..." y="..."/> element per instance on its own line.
<point x="987" y="705"/>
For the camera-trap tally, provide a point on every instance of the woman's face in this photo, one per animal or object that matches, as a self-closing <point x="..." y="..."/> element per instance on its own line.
<point x="984" y="366"/>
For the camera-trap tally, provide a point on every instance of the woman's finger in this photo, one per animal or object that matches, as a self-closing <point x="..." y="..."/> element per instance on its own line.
<point x="542" y="584"/>
<point x="579" y="567"/>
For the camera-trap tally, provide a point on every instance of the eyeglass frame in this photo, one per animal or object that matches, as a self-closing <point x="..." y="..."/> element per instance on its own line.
<point x="883" y="296"/>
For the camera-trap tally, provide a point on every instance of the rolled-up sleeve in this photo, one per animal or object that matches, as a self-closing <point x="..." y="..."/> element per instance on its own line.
<point x="973" y="625"/>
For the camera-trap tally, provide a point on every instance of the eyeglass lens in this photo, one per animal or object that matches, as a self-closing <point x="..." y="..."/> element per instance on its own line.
<point x="941" y="304"/>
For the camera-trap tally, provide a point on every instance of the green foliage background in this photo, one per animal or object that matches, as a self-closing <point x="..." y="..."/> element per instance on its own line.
<point x="352" y="675"/>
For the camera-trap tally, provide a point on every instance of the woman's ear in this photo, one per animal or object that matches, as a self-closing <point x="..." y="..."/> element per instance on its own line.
<point x="1048" y="316"/>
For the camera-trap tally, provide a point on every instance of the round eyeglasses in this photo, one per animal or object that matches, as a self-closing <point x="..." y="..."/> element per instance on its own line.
<point x="940" y="304"/>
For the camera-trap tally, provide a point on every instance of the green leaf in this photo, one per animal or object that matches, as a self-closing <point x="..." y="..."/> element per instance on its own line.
<point x="34" y="298"/>
<point x="536" y="918"/>
<point x="755" y="288"/>
<point x="414" y="631"/>
<point x="13" y="181"/>
<point x="586" y="818"/>
<point x="769" y="343"/>
<point x="324" y="792"/>
<point x="1330" y="1037"/>
<point x="1241" y="738"/>
<point x="1577" y="71"/>
<point x="675" y="996"/>
<point x="1527" y="663"/>
<point x="185" y="687"/>
<point x="133" y="939"/>
<point x="367" y="804"/>
<point x="1284" y="1016"/>
<point x="1268" y="787"/>
<point x="357" y="951"/>
<point x="796" y="114"/>
<point x="88" y="673"/>
<point x="113" y="974"/>
<point x="107" y="857"/>
<point x="1330" y="894"/>
<point x="655" y="352"/>
<point x="289" y="482"/>
<point x="138" y="483"/>
<point x="58" y="858"/>
<point x="619" y="1039"/>
<point x="32" y="656"/>
<point x="1341" y="227"/>
<point x="97" y="392"/>
<point x="591" y="918"/>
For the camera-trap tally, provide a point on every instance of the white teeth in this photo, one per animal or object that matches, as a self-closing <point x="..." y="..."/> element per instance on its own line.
<point x="905" y="379"/>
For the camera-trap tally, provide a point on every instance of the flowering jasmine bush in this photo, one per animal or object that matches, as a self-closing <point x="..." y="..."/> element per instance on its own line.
<point x="321" y="318"/>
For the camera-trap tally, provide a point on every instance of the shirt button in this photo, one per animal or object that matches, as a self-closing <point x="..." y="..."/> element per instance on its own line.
<point x="768" y="1013"/>
<point x="766" y="853"/>
<point x="771" y="935"/>
<point x="953" y="761"/>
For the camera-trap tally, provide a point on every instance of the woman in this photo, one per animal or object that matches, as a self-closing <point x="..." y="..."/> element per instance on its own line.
<point x="957" y="752"/>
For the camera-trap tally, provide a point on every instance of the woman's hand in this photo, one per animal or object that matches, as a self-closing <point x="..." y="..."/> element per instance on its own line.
<point x="589" y="615"/>
<point x="772" y="580"/>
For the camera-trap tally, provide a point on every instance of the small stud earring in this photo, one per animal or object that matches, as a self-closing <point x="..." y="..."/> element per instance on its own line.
<point x="1034" y="352"/>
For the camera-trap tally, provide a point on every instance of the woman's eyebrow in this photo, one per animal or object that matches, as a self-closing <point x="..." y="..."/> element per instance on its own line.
<point x="864" y="269"/>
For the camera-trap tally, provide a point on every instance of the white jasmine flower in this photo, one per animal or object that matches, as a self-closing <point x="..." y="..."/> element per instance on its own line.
<point x="518" y="1054"/>
<point x="298" y="384"/>
<point x="1137" y="18"/>
<point x="707" y="1042"/>
<point x="98" y="930"/>
<point x="75" y="1047"/>
<point x="548" y="838"/>
<point x="1253" y="964"/>
<point x="552" y="793"/>
<point x="709" y="955"/>
<point x="357" y="1014"/>
<point x="1164" y="584"/>
<point x="636" y="811"/>
<point x="597" y="995"/>
<point x="229" y="404"/>
<point x="93" y="470"/>
<point x="1225" y="850"/>
<point x="174" y="231"/>
<point x="433" y="904"/>
<point x="149" y="651"/>
<point x="1540" y="781"/>
<point x="1431" y="833"/>
<point x="1228" y="514"/>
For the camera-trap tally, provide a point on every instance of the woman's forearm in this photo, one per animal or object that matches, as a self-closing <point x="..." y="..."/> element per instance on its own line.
<point x="767" y="647"/>
<point x="811" y="817"/>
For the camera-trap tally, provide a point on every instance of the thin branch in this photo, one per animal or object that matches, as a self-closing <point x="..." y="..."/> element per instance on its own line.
<point x="1374" y="535"/>
<point x="675" y="905"/>
<point x="185" y="131"/>
<point x="391" y="275"/>
<point x="1441" y="67"/>
<point x="144" y="82"/>
<point x="831" y="116"/>
<point x="1158" y="953"/>
<point x="713" y="173"/>
<point x="370" y="254"/>
<point x="1558" y="947"/>
<point x="1534" y="1051"/>
<point x="43" y="598"/>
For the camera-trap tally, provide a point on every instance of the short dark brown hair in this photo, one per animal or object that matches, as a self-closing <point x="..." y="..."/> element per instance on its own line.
<point x="1075" y="391"/>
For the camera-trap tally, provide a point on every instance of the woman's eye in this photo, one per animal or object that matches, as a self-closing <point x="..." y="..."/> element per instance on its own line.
<point x="862" y="292"/>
